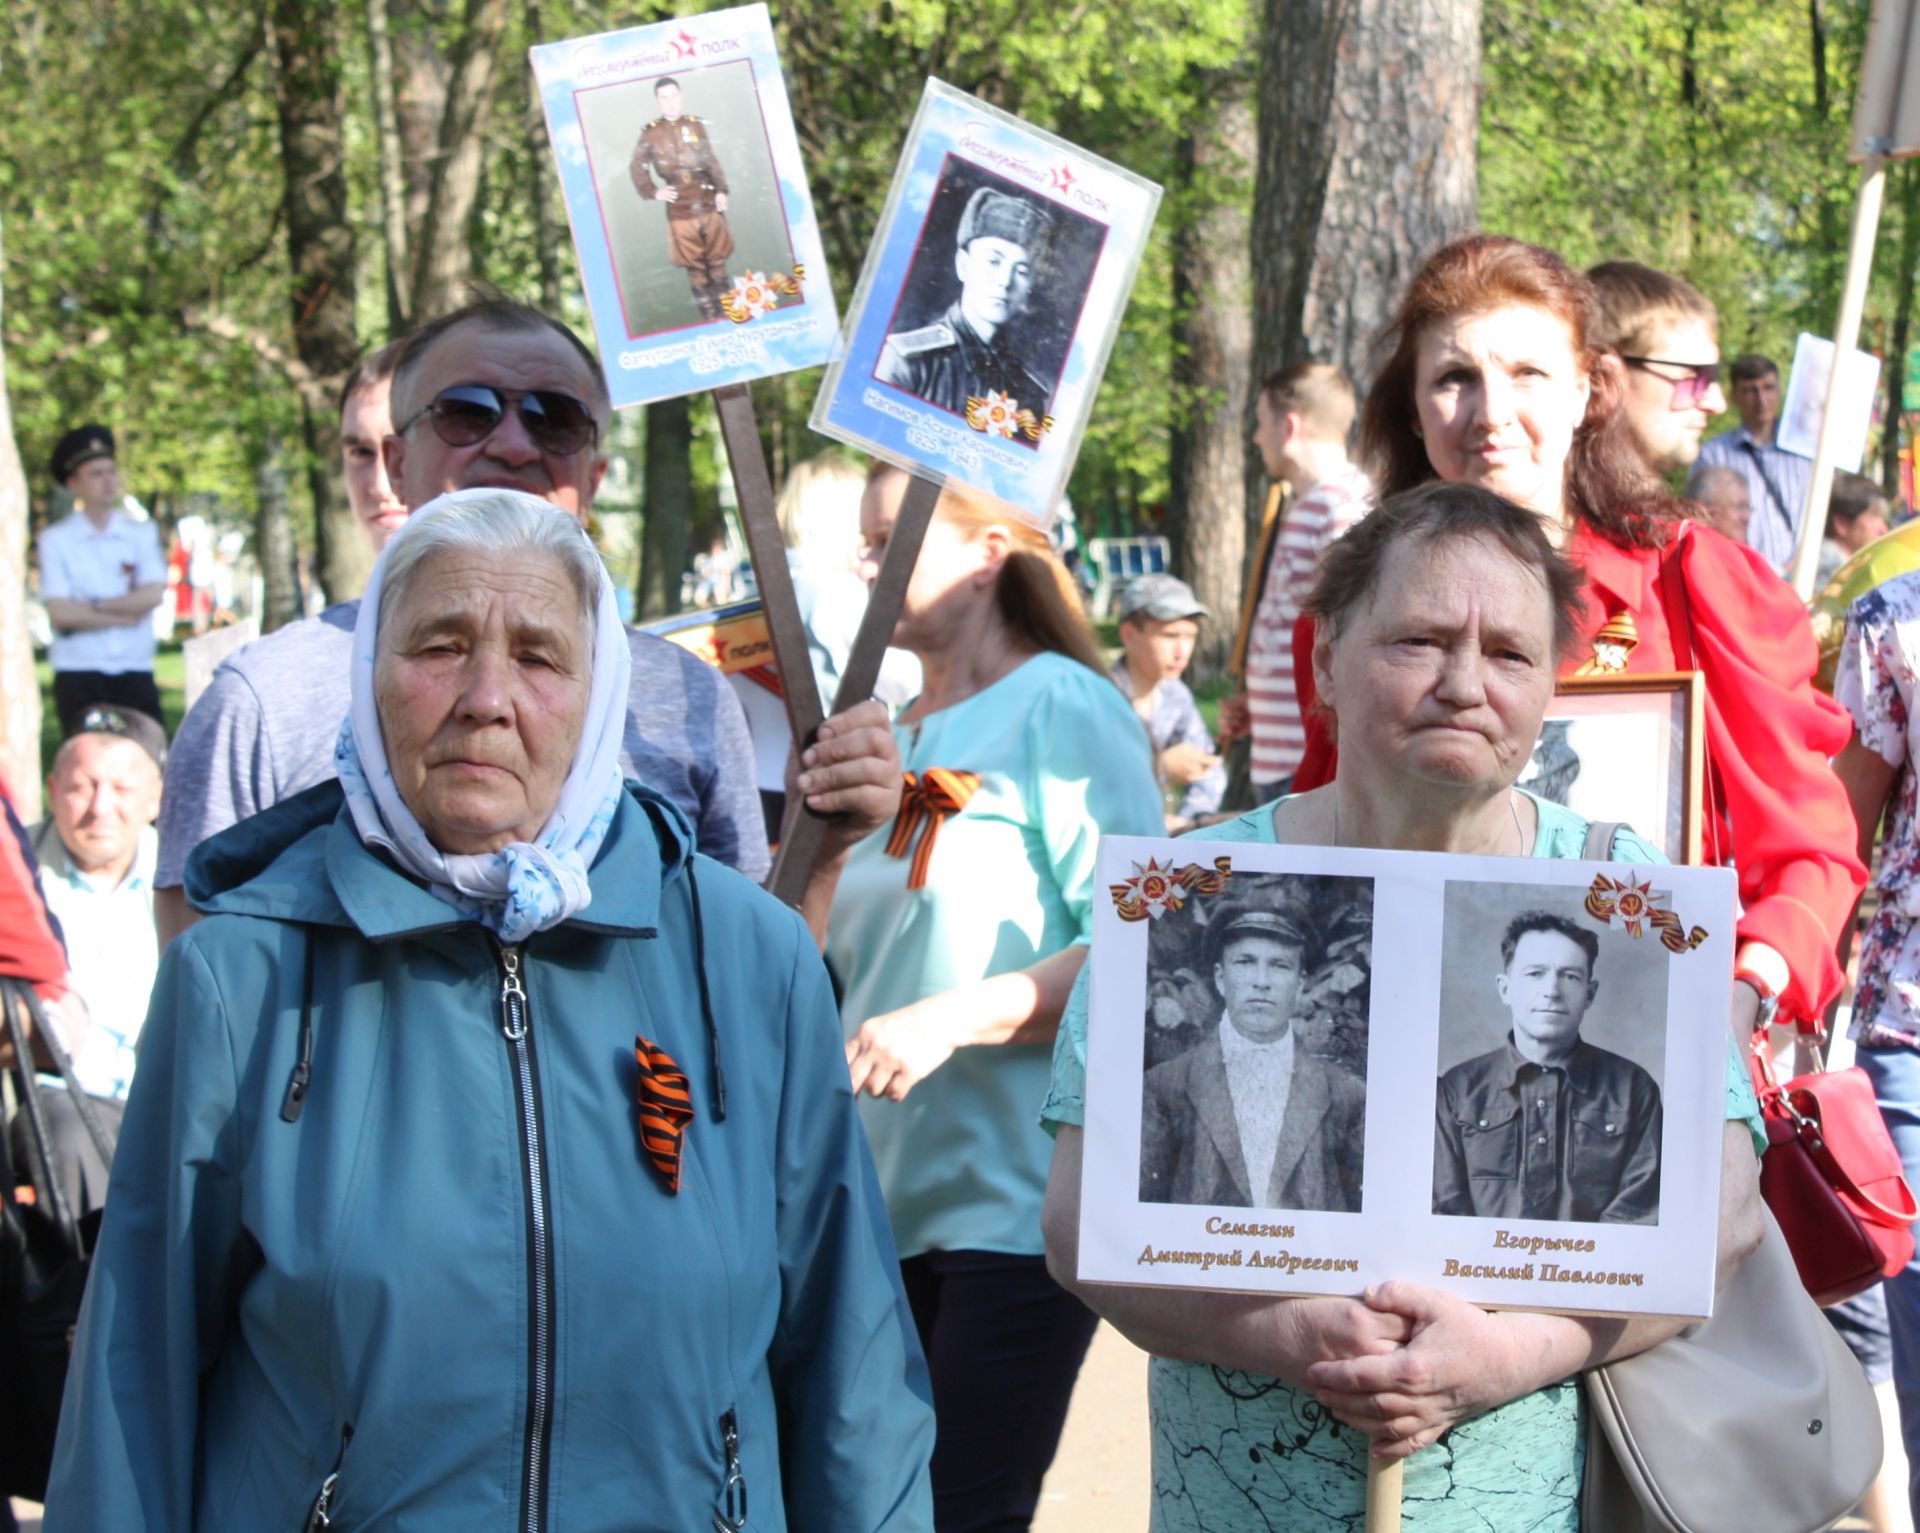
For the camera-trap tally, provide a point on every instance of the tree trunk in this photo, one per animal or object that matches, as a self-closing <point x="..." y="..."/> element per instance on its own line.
<point x="393" y="183"/>
<point x="320" y="250"/>
<point x="273" y="542"/>
<point x="420" y="104"/>
<point x="444" y="258"/>
<point x="667" y="504"/>
<point x="19" y="686"/>
<point x="1212" y="366"/>
<point x="1405" y="114"/>
<point x="549" y="235"/>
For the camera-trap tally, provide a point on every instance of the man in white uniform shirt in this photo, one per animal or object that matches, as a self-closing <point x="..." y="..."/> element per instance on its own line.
<point x="101" y="575"/>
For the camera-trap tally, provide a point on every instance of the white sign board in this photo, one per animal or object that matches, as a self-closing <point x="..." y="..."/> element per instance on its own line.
<point x="1522" y="1103"/>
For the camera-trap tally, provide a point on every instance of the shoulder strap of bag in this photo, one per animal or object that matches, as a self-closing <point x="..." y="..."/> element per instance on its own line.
<point x="82" y="1102"/>
<point x="1773" y="490"/>
<point x="1675" y="602"/>
<point x="41" y="1168"/>
<point x="1598" y="846"/>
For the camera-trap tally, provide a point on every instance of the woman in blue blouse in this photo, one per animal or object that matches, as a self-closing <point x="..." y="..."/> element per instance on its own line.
<point x="1442" y="619"/>
<point x="958" y="938"/>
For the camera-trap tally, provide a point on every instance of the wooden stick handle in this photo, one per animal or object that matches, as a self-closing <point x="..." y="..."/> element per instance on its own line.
<point x="1383" y="1494"/>
<point x="804" y="832"/>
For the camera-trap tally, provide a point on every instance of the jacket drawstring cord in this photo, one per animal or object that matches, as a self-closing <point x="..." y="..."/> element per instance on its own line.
<point x="302" y="1074"/>
<point x="706" y="1001"/>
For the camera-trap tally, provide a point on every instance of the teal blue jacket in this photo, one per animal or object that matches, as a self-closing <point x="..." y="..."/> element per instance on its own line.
<point x="439" y="1286"/>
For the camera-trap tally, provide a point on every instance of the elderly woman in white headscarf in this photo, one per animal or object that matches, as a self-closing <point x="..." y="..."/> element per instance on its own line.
<point x="460" y="1186"/>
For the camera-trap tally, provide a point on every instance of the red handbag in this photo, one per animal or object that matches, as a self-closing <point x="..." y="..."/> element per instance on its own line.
<point x="1832" y="1178"/>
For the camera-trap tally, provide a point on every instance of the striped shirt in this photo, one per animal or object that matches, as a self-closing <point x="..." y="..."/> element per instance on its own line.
<point x="1308" y="525"/>
<point x="1773" y="477"/>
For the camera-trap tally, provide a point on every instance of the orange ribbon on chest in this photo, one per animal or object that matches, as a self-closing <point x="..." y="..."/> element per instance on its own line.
<point x="930" y="798"/>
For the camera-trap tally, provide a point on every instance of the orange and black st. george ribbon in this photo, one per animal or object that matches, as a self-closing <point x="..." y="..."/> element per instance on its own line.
<point x="666" y="1108"/>
<point x="930" y="797"/>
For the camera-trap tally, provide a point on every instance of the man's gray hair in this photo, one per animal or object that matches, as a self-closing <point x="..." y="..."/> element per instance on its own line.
<point x="1707" y="477"/>
<point x="493" y="522"/>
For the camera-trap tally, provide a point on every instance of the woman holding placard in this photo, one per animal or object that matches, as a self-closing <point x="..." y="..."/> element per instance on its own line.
<point x="1494" y="378"/>
<point x="958" y="938"/>
<point x="1443" y="618"/>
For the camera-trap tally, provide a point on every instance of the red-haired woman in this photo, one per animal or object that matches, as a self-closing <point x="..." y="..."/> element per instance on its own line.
<point x="1495" y="378"/>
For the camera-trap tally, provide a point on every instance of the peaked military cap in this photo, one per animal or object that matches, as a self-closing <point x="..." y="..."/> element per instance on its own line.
<point x="1253" y="921"/>
<point x="996" y="215"/>
<point x="81" y="445"/>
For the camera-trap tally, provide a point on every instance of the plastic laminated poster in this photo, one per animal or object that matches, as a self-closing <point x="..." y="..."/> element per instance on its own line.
<point x="988" y="305"/>
<point x="1524" y="1106"/>
<point x="691" y="216"/>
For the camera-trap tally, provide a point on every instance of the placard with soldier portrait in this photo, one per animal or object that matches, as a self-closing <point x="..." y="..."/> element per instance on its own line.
<point x="988" y="304"/>
<point x="691" y="215"/>
<point x="1312" y="1069"/>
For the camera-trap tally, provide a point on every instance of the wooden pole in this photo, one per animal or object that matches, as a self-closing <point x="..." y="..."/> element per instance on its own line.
<point x="803" y="831"/>
<point x="1383" y="1494"/>
<point x="1846" y="331"/>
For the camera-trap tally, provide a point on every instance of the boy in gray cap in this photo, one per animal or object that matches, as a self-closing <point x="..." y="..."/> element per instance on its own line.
<point x="1159" y="622"/>
<point x="965" y="354"/>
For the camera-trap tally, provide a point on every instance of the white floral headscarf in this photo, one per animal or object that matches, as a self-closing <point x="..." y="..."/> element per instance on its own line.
<point x="529" y="885"/>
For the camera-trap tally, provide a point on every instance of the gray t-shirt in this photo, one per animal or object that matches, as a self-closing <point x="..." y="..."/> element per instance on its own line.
<point x="265" y="727"/>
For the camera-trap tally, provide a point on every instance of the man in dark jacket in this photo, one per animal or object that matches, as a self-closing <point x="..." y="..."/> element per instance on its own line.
<point x="1547" y="1126"/>
<point x="966" y="354"/>
<point x="1247" y="1118"/>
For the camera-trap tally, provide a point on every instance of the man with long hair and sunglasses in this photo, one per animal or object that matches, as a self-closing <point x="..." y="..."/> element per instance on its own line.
<point x="1666" y="333"/>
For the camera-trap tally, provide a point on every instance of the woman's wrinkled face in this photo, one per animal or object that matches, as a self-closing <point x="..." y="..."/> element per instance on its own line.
<point x="481" y="684"/>
<point x="1499" y="396"/>
<point x="1444" y="675"/>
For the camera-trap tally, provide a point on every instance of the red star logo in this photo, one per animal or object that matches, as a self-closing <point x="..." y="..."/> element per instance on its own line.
<point x="1063" y="178"/>
<point x="685" y="45"/>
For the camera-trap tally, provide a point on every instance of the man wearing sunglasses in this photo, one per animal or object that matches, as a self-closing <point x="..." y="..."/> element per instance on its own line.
<point x="498" y="395"/>
<point x="1665" y="331"/>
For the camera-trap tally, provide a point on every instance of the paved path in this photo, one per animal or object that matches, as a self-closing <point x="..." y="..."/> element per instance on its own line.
<point x="1099" y="1480"/>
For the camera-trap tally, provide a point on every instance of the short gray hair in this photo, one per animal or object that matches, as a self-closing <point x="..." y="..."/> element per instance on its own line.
<point x="498" y="522"/>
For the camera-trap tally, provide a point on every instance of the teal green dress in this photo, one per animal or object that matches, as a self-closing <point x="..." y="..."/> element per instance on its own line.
<point x="1061" y="760"/>
<point x="1235" y="1451"/>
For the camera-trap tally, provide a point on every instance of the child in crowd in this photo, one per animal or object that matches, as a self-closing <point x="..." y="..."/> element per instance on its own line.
<point x="1159" y="622"/>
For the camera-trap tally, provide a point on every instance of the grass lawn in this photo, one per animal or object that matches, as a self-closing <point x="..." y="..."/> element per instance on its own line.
<point x="169" y="671"/>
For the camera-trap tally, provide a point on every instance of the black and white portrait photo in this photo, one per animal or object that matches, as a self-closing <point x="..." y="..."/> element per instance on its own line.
<point x="992" y="296"/>
<point x="1254" y="1093"/>
<point x="1552" y="1038"/>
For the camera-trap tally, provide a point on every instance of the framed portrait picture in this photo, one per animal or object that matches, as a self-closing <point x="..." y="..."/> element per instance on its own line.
<point x="988" y="304"/>
<point x="1628" y="748"/>
<point x="1524" y="1107"/>
<point x="691" y="217"/>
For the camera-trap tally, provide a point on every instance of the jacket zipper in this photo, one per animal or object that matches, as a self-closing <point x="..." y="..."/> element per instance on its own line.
<point x="319" y="1519"/>
<point x="732" y="1518"/>
<point x="516" y="1023"/>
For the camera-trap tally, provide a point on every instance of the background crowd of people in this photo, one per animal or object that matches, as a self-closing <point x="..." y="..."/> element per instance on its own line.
<point x="425" y="863"/>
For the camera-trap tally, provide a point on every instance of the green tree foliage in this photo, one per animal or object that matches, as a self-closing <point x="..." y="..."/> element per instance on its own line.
<point x="1706" y="137"/>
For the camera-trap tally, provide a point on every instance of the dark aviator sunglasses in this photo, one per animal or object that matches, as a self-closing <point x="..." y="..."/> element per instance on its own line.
<point x="471" y="412"/>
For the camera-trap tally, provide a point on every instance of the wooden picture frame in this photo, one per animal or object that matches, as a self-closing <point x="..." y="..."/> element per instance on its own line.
<point x="1648" y="769"/>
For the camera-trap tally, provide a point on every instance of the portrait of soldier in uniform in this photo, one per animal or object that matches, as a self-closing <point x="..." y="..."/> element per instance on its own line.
<point x="1250" y="1116"/>
<point x="674" y="163"/>
<point x="1000" y="247"/>
<point x="1547" y="1125"/>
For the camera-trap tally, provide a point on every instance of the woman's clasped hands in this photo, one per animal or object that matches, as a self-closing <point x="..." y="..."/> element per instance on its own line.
<point x="1448" y="1361"/>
